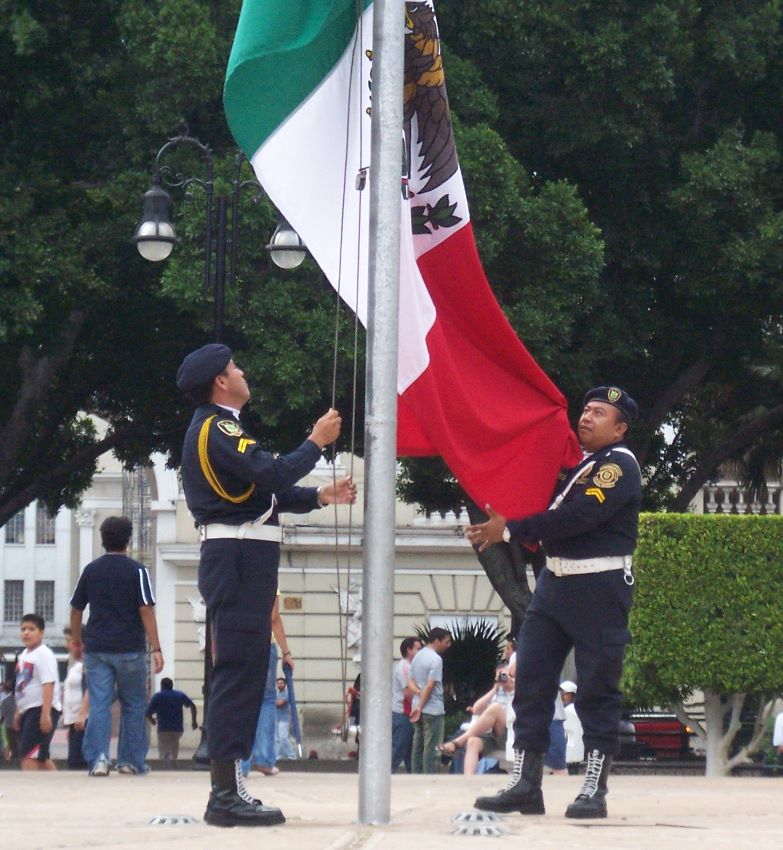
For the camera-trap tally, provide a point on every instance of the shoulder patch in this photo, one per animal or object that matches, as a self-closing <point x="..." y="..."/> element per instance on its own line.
<point x="607" y="476"/>
<point x="230" y="427"/>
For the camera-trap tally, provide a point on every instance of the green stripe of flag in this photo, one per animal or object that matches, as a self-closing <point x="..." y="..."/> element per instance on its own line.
<point x="282" y="50"/>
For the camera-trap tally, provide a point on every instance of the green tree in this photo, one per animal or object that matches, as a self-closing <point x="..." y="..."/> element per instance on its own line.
<point x="655" y="124"/>
<point x="708" y="616"/>
<point x="623" y="167"/>
<point x="90" y="92"/>
<point x="663" y="116"/>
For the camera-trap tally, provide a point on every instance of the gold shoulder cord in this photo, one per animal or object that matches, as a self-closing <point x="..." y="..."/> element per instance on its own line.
<point x="209" y="473"/>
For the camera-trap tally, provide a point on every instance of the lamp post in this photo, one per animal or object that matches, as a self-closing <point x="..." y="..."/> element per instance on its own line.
<point x="155" y="236"/>
<point x="155" y="239"/>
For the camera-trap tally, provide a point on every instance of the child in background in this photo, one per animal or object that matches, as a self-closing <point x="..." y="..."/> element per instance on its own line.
<point x="37" y="693"/>
<point x="76" y="705"/>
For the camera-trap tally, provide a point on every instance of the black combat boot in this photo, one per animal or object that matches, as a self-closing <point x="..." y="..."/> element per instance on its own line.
<point x="523" y="792"/>
<point x="591" y="800"/>
<point x="230" y="804"/>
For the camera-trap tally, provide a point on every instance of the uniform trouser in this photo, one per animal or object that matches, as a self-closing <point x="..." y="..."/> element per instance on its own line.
<point x="589" y="613"/>
<point x="238" y="580"/>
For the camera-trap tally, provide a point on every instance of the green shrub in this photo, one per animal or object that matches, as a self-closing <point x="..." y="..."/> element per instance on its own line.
<point x="708" y="608"/>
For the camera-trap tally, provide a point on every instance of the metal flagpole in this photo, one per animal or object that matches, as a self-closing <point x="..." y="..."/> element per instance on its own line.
<point x="380" y="430"/>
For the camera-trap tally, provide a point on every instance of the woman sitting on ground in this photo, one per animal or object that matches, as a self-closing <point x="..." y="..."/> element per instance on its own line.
<point x="488" y="725"/>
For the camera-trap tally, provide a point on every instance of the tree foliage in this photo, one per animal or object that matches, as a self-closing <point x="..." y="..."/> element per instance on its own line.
<point x="623" y="167"/>
<point x="663" y="119"/>
<point x="91" y="91"/>
<point x="707" y="616"/>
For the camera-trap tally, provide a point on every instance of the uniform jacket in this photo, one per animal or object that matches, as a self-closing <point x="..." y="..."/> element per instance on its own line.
<point x="599" y="515"/>
<point x="228" y="478"/>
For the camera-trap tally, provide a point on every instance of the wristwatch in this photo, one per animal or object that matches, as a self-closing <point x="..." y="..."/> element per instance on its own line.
<point x="506" y="535"/>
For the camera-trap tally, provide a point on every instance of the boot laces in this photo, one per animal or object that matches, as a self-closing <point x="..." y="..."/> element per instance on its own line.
<point x="595" y="763"/>
<point x="241" y="790"/>
<point x="516" y="773"/>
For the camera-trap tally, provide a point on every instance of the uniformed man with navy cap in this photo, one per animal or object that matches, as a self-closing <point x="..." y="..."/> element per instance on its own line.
<point x="235" y="490"/>
<point x="582" y="600"/>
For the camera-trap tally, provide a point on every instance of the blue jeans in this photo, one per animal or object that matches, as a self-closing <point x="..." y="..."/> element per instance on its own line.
<point x="128" y="672"/>
<point x="264" y="742"/>
<point x="402" y="741"/>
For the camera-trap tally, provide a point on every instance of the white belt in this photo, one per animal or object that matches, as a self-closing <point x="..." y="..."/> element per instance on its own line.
<point x="574" y="566"/>
<point x="247" y="531"/>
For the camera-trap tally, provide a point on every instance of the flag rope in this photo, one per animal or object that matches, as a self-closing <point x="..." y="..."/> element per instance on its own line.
<point x="343" y="622"/>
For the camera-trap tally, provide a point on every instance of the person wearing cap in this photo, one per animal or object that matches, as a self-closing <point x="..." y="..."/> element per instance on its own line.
<point x="582" y="601"/>
<point x="575" y="750"/>
<point x="235" y="491"/>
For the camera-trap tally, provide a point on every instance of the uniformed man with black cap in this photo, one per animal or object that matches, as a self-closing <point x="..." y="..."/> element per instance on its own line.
<point x="235" y="490"/>
<point x="582" y="600"/>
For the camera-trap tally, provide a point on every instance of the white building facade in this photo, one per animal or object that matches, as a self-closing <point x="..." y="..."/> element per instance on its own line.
<point x="437" y="577"/>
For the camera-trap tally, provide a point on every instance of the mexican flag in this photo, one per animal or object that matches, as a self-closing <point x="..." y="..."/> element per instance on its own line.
<point x="298" y="99"/>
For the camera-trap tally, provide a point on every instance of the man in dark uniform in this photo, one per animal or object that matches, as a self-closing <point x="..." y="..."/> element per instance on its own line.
<point x="235" y="491"/>
<point x="582" y="600"/>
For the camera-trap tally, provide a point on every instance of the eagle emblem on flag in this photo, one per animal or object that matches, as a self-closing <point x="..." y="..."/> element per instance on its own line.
<point x="425" y="101"/>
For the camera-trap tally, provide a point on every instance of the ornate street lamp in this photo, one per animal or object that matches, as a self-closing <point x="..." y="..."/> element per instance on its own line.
<point x="286" y="247"/>
<point x="155" y="236"/>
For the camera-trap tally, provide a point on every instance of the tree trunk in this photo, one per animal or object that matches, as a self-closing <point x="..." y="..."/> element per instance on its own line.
<point x="685" y="383"/>
<point x="39" y="487"/>
<point x="739" y="440"/>
<point x="506" y="570"/>
<point x="37" y="376"/>
<point x="720" y="735"/>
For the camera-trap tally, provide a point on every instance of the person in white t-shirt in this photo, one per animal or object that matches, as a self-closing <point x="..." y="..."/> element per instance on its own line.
<point x="488" y="728"/>
<point x="38" y="704"/>
<point x="402" y="728"/>
<point x="76" y="705"/>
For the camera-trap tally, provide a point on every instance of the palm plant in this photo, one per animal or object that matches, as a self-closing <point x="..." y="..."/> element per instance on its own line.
<point x="469" y="664"/>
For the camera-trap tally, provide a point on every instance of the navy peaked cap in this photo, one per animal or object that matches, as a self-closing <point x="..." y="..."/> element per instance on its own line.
<point x="202" y="365"/>
<point x="617" y="398"/>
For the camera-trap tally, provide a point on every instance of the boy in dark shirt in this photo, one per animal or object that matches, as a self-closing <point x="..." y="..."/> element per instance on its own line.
<point x="122" y="614"/>
<point x="167" y="704"/>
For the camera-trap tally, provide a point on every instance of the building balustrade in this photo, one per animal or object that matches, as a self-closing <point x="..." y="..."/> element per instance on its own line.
<point x="730" y="497"/>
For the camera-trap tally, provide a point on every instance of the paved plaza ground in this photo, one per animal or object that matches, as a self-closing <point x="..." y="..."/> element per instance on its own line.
<point x="66" y="809"/>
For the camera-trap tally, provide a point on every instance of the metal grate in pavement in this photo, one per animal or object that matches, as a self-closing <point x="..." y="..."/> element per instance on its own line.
<point x="484" y="824"/>
<point x="172" y="820"/>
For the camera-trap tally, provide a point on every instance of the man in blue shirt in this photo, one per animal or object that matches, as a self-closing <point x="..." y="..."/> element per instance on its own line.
<point x="168" y="704"/>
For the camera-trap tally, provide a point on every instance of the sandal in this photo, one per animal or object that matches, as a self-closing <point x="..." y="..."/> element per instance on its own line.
<point x="449" y="748"/>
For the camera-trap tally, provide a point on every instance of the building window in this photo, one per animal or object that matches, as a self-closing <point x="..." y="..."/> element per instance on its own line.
<point x="44" y="526"/>
<point x="44" y="600"/>
<point x="13" y="601"/>
<point x="14" y="528"/>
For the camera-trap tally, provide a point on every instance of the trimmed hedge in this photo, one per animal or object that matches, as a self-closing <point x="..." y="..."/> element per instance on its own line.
<point x="708" y="607"/>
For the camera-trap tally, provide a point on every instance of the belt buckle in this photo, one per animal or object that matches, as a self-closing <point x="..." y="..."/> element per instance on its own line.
<point x="202" y="533"/>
